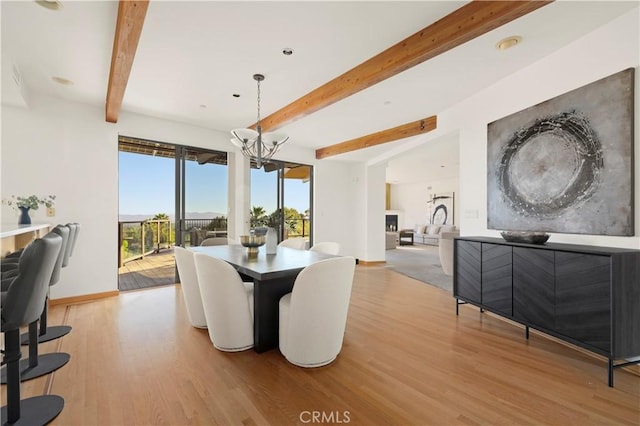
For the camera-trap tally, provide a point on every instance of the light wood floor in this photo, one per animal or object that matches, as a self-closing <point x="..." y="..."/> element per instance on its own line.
<point x="407" y="360"/>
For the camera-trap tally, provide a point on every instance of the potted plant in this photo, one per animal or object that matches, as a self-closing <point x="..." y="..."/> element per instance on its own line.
<point x="274" y="220"/>
<point x="258" y="220"/>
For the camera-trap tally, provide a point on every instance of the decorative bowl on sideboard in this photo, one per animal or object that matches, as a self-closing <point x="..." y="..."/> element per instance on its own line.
<point x="527" y="237"/>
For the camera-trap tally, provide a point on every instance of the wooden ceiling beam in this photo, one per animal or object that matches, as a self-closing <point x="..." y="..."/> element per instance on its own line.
<point x="389" y="135"/>
<point x="131" y="14"/>
<point x="466" y="23"/>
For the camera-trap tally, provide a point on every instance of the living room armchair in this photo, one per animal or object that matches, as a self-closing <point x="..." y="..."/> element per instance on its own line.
<point x="445" y="250"/>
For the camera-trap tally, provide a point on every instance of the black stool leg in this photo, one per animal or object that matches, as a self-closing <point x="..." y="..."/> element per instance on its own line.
<point x="36" y="365"/>
<point x="12" y="359"/>
<point x="47" y="333"/>
<point x="38" y="410"/>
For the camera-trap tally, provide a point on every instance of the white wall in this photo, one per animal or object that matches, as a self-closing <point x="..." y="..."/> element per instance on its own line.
<point x="334" y="205"/>
<point x="239" y="190"/>
<point x="368" y="191"/>
<point x="373" y="214"/>
<point x="605" y="51"/>
<point x="411" y="199"/>
<point x="67" y="149"/>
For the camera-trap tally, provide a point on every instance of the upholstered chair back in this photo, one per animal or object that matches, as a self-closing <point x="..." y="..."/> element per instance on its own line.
<point x="227" y="303"/>
<point x="190" y="288"/>
<point x="313" y="316"/>
<point x="328" y="247"/>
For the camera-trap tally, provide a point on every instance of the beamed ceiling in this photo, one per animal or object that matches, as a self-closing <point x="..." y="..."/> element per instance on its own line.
<point x="365" y="78"/>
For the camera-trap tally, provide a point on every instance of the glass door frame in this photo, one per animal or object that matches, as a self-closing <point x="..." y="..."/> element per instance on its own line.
<point x="180" y="184"/>
<point x="182" y="154"/>
<point x="280" y="194"/>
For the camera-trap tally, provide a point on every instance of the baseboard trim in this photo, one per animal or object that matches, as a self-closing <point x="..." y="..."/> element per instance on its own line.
<point x="371" y="262"/>
<point x="83" y="298"/>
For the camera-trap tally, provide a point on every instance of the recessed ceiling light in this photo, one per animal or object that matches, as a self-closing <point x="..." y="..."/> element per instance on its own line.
<point x="508" y="42"/>
<point x="50" y="4"/>
<point x="287" y="51"/>
<point x="63" y="81"/>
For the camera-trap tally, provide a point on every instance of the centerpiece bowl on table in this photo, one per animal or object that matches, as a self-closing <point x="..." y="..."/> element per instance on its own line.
<point x="252" y="242"/>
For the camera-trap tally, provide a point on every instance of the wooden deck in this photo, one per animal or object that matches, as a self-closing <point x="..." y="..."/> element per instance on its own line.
<point x="151" y="271"/>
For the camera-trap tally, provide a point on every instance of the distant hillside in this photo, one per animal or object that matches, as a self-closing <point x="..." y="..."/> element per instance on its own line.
<point x="190" y="215"/>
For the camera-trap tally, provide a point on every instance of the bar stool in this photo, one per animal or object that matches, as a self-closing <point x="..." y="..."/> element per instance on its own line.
<point x="75" y="235"/>
<point x="39" y="365"/>
<point x="22" y="305"/>
<point x="10" y="262"/>
<point x="55" y="332"/>
<point x="9" y="265"/>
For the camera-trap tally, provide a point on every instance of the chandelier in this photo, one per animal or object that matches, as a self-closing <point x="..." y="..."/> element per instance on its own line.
<point x="254" y="144"/>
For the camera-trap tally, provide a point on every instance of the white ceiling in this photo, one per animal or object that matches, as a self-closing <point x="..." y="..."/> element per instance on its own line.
<point x="201" y="53"/>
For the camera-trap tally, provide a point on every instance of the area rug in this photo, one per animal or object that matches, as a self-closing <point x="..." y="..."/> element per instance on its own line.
<point x="420" y="262"/>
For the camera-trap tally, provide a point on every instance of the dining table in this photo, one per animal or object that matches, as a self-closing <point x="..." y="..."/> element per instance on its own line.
<point x="273" y="276"/>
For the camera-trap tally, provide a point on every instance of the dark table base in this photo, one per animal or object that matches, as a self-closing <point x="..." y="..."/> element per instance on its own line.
<point x="266" y="302"/>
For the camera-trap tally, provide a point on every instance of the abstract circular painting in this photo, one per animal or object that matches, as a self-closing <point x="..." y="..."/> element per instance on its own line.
<point x="565" y="165"/>
<point x="550" y="166"/>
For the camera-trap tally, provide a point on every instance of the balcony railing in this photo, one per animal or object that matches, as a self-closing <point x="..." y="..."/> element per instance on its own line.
<point x="297" y="227"/>
<point x="137" y="239"/>
<point x="140" y="238"/>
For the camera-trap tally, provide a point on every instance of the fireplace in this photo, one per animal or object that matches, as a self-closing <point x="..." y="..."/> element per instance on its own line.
<point x="391" y="222"/>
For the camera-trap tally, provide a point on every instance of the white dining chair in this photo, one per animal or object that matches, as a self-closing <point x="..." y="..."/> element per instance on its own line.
<point x="296" y="243"/>
<point x="214" y="241"/>
<point x="227" y="303"/>
<point x="328" y="247"/>
<point x="190" y="288"/>
<point x="313" y="316"/>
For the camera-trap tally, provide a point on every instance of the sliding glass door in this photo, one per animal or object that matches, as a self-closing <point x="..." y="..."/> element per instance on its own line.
<point x="201" y="195"/>
<point x="168" y="195"/>
<point x="281" y="197"/>
<point x="297" y="200"/>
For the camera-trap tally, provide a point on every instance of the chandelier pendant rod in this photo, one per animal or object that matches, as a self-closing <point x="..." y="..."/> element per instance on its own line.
<point x="259" y="78"/>
<point x="259" y="147"/>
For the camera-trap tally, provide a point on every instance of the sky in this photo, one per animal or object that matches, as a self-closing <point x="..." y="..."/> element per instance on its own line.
<point x="146" y="186"/>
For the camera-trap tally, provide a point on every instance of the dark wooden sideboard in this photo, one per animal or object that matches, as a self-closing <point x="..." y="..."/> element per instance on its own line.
<point x="588" y="296"/>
